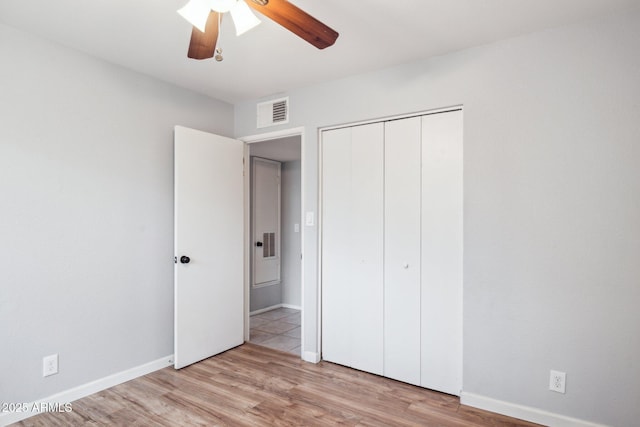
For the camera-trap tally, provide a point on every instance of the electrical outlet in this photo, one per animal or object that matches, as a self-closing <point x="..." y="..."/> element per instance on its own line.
<point x="557" y="381"/>
<point x="49" y="365"/>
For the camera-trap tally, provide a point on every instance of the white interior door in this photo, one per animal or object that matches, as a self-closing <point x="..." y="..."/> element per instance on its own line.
<point x="265" y="215"/>
<point x="209" y="227"/>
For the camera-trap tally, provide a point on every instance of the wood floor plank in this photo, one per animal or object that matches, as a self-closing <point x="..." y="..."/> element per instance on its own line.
<point x="257" y="386"/>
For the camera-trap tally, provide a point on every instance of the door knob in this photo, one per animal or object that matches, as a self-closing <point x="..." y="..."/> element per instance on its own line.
<point x="185" y="259"/>
<point x="259" y="244"/>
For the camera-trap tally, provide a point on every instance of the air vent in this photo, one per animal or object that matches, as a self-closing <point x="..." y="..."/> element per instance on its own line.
<point x="274" y="112"/>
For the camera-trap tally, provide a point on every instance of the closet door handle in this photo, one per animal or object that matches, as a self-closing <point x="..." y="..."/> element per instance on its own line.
<point x="259" y="244"/>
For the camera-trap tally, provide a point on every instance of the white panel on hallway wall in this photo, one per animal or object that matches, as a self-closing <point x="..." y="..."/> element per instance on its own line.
<point x="265" y="221"/>
<point x="442" y="242"/>
<point x="402" y="250"/>
<point x="353" y="246"/>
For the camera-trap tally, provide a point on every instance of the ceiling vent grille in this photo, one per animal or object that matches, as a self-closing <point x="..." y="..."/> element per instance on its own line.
<point x="274" y="112"/>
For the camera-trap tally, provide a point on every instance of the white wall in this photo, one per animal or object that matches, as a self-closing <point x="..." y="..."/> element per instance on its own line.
<point x="86" y="214"/>
<point x="291" y="267"/>
<point x="552" y="201"/>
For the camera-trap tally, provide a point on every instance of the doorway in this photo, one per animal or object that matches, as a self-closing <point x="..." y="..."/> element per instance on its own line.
<point x="274" y="306"/>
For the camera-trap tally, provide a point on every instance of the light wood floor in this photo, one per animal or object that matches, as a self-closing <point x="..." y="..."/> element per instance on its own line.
<point x="257" y="386"/>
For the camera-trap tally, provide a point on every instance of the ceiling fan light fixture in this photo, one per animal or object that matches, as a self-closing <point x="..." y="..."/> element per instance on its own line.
<point x="243" y="18"/>
<point x="205" y="16"/>
<point x="196" y="13"/>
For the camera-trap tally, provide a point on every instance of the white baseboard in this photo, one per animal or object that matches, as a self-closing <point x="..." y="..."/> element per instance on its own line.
<point x="523" y="412"/>
<point x="273" y="307"/>
<point x="84" y="390"/>
<point x="311" y="356"/>
<point x="264" y="310"/>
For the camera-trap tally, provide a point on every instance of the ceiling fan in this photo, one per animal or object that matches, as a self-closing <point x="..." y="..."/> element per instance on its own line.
<point x="206" y="15"/>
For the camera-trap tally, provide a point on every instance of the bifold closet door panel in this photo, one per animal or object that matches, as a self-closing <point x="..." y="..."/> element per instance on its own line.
<point x="402" y="250"/>
<point x="442" y="243"/>
<point x="336" y="253"/>
<point x="352" y="247"/>
<point x="366" y="243"/>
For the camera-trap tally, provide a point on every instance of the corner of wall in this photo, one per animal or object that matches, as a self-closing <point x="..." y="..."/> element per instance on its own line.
<point x="311" y="356"/>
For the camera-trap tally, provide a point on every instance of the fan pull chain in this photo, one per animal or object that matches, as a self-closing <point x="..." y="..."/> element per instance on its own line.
<point x="218" y="57"/>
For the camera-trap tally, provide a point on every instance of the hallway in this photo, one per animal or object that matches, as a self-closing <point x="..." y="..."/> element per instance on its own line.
<point x="278" y="329"/>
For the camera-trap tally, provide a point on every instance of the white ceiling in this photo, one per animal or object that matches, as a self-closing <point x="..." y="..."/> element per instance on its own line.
<point x="150" y="37"/>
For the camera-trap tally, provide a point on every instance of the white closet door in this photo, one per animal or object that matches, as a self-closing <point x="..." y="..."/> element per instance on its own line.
<point x="336" y="253"/>
<point x="402" y="250"/>
<point x="366" y="242"/>
<point x="352" y="247"/>
<point x="442" y="243"/>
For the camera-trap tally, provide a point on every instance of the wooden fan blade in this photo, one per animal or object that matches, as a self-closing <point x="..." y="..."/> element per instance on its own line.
<point x="203" y="45"/>
<point x="297" y="21"/>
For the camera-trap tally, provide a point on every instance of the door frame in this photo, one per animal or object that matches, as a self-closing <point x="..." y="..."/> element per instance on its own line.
<point x="251" y="139"/>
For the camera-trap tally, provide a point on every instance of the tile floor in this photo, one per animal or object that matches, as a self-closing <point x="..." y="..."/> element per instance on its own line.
<point x="278" y="329"/>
